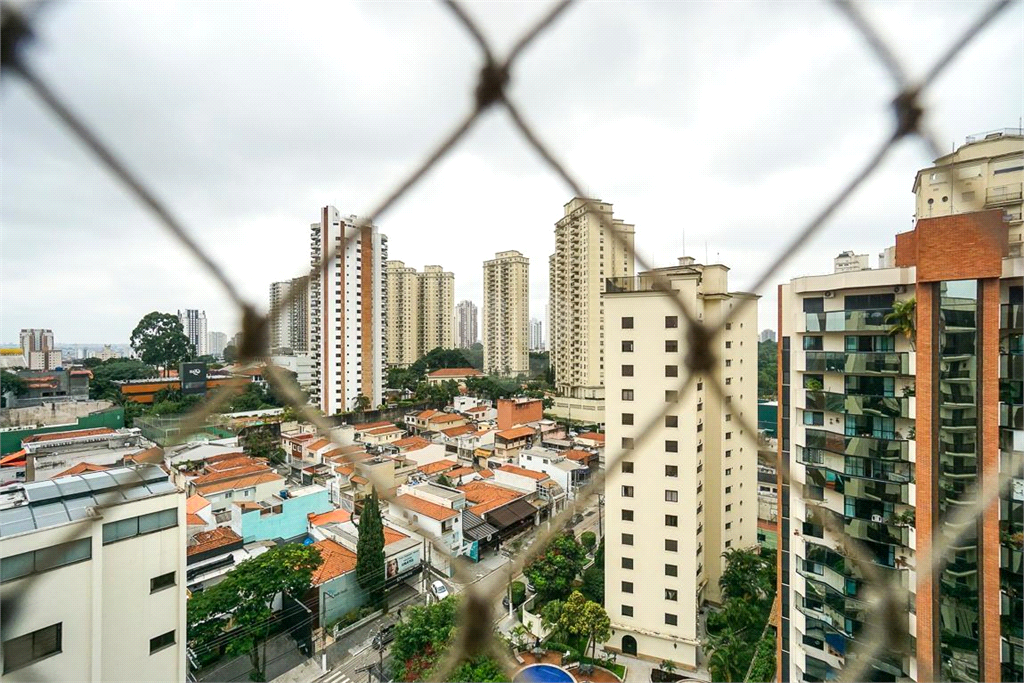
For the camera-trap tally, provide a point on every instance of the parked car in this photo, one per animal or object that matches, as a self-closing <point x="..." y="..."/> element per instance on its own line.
<point x="385" y="636"/>
<point x="439" y="590"/>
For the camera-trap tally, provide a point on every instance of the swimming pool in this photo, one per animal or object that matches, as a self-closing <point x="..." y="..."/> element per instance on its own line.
<point x="543" y="673"/>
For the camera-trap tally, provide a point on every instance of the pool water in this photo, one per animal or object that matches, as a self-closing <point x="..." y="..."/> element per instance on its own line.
<point x="543" y="673"/>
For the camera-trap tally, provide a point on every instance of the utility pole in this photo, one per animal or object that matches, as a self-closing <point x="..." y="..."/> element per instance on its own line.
<point x="600" y="508"/>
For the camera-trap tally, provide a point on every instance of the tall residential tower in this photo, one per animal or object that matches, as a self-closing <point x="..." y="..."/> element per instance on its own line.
<point x="506" y="310"/>
<point x="466" y="324"/>
<point x="291" y="330"/>
<point x="194" y="322"/>
<point x="420" y="307"/>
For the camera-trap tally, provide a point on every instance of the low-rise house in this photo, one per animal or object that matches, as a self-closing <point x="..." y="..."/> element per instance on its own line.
<point x="402" y="553"/>
<point x="463" y="475"/>
<point x="409" y="443"/>
<point x="212" y="556"/>
<point x="507" y="510"/>
<point x="198" y="515"/>
<point x="463" y="403"/>
<point x="282" y="516"/>
<point x="379" y="436"/>
<point x="437" y="468"/>
<point x="459" y="375"/>
<point x="478" y="414"/>
<point x="515" y="412"/>
<point x="508" y="443"/>
<point x="590" y="440"/>
<point x="450" y="437"/>
<point x="518" y="478"/>
<point x="334" y="587"/>
<point x="47" y="455"/>
<point x="414" y="510"/>
<point x="417" y="422"/>
<point x="570" y="474"/>
<point x="589" y="459"/>
<point x="197" y="452"/>
<point x="227" y="479"/>
<point x="442" y="421"/>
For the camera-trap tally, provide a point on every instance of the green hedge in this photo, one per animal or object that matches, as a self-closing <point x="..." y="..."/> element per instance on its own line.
<point x="762" y="669"/>
<point x="518" y="593"/>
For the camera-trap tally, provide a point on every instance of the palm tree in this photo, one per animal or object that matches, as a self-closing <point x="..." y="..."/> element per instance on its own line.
<point x="726" y="655"/>
<point x="904" y="320"/>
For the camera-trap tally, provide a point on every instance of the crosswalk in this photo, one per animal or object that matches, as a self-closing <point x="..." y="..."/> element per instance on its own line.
<point x="337" y="676"/>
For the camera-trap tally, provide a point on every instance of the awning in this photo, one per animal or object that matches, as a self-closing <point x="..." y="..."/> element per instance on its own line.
<point x="510" y="514"/>
<point x="474" y="528"/>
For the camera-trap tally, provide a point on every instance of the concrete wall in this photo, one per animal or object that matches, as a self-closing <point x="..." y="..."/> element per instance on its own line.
<point x="339" y="596"/>
<point x="292" y="521"/>
<point x="66" y="417"/>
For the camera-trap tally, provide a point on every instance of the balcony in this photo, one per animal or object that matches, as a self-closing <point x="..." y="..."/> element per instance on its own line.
<point x="1011" y="316"/>
<point x="878" y="406"/>
<point x="860" y="363"/>
<point x="1001" y="195"/>
<point x="1010" y="416"/>
<point x="1011" y="366"/>
<point x="848" y="321"/>
<point x="860" y="446"/>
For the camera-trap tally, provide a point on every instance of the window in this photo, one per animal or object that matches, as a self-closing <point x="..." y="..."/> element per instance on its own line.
<point x="814" y="305"/>
<point x="627" y="586"/>
<point x="671" y="520"/>
<point x="728" y="471"/>
<point x="671" y="370"/>
<point x="627" y="418"/>
<point x="728" y="344"/>
<point x="728" y="363"/>
<point x="671" y="321"/>
<point x="728" y="507"/>
<point x="671" y="396"/>
<point x="671" y="594"/>
<point x="160" y="642"/>
<point x="728" y="544"/>
<point x="627" y="346"/>
<point x="813" y="343"/>
<point x="136" y="526"/>
<point x="627" y="491"/>
<point x="158" y="583"/>
<point x="627" y="394"/>
<point x="671" y="446"/>
<point x="627" y="563"/>
<point x="627" y="539"/>
<point x="627" y="515"/>
<point x="671" y="570"/>
<point x="728" y="380"/>
<point x="671" y="471"/>
<point x="671" y="420"/>
<point x="700" y="426"/>
<point x="728" y="525"/>
<point x="671" y="619"/>
<point x="671" y="496"/>
<point x="30" y="648"/>
<point x="627" y="370"/>
<point x="728" y="435"/>
<point x="44" y="559"/>
<point x="627" y="610"/>
<point x="814" y="418"/>
<point x="671" y="345"/>
<point x="627" y="442"/>
<point x="728" y="417"/>
<point x="728" y="489"/>
<point x="627" y="323"/>
<point x="728" y="326"/>
<point x="671" y="545"/>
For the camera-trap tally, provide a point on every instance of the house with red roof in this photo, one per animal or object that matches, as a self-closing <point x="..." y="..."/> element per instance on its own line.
<point x="459" y="375"/>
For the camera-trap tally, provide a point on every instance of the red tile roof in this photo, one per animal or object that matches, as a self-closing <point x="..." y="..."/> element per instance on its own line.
<point x="426" y="414"/>
<point x="15" y="459"/>
<point x="447" y="417"/>
<point x="371" y="425"/>
<point x="192" y="519"/>
<point x="486" y="473"/>
<point x="516" y="433"/>
<point x="232" y="473"/>
<point x="577" y="455"/>
<point x="57" y="436"/>
<point x="478" y="409"/>
<point x="392" y="536"/>
<point x="435" y="467"/>
<point x="196" y="503"/>
<point x="453" y="432"/>
<point x="81" y="468"/>
<point x="241" y="483"/>
<point x="487" y="496"/>
<point x="455" y="372"/>
<point x="425" y="507"/>
<point x="390" y="429"/>
<point x="411" y="443"/>
<point x="459" y="472"/>
<point x="336" y="560"/>
<point x="332" y="517"/>
<point x="318" y="444"/>
<point x="592" y="436"/>
<point x="523" y="472"/>
<point x="212" y="539"/>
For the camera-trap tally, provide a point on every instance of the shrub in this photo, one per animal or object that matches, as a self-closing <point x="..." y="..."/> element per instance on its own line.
<point x="589" y="540"/>
<point x="518" y="593"/>
<point x="763" y="667"/>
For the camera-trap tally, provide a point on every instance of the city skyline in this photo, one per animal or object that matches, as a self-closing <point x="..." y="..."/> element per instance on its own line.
<point x="785" y="163"/>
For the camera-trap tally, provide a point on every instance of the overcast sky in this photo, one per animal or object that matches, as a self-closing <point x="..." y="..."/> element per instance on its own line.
<point x="729" y="122"/>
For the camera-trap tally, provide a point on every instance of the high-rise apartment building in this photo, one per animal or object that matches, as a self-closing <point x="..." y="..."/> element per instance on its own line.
<point x="887" y="439"/>
<point x="847" y="262"/>
<point x="586" y="253"/>
<point x="347" y="311"/>
<point x="93" y="575"/>
<point x="536" y="335"/>
<point x="687" y="493"/>
<point x="506" y="311"/>
<point x="291" y="329"/>
<point x="217" y="342"/>
<point x="466" y="324"/>
<point x="194" y="323"/>
<point x="38" y="350"/>
<point x="420" y="309"/>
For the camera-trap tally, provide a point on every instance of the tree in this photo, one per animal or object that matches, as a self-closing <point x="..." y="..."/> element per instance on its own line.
<point x="585" y="618"/>
<point x="551" y="618"/>
<point x="767" y="369"/>
<point x="443" y="480"/>
<point x="589" y="540"/>
<point x="230" y="353"/>
<point x="729" y="657"/>
<point x="159" y="339"/>
<point x="553" y="572"/>
<point x="370" y="551"/>
<point x="420" y="637"/>
<point x="263" y="442"/>
<point x="9" y="382"/>
<point x="104" y="374"/>
<point x="904" y="320"/>
<point x="481" y="669"/>
<point x="363" y="403"/>
<point x="243" y="601"/>
<point x="593" y="584"/>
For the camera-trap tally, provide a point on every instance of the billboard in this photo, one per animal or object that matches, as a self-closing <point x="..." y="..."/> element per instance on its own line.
<point x="193" y="378"/>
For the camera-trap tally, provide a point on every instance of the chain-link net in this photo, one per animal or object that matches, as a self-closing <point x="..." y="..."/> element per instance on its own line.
<point x="475" y="634"/>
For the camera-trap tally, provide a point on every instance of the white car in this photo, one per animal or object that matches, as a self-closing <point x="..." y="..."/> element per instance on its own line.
<point x="439" y="590"/>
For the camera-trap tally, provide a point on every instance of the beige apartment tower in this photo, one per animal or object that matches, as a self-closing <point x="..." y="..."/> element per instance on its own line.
<point x="465" y="324"/>
<point x="291" y="328"/>
<point x="506" y="314"/>
<point x="586" y="253"/>
<point x="687" y="492"/>
<point x="420" y="309"/>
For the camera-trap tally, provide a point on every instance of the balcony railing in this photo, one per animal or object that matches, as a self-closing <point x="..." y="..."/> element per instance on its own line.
<point x="1011" y="366"/>
<point x="1003" y="194"/>
<point x="881" y="406"/>
<point x="1011" y="416"/>
<point x="637" y="283"/>
<point x="858" y="362"/>
<point x="1011" y="316"/>
<point x="861" y="446"/>
<point x="872" y="320"/>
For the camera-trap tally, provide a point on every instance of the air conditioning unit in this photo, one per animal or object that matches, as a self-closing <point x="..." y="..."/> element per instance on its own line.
<point x="829" y="294"/>
<point x="876" y="518"/>
<point x="899" y="289"/>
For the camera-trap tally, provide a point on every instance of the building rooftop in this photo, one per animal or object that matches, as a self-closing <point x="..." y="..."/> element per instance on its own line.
<point x="336" y="560"/>
<point x="332" y="517"/>
<point x="453" y="432"/>
<point x="436" y="467"/>
<point x="63" y="436"/>
<point x="81" y="468"/>
<point x="516" y="433"/>
<point x="455" y="372"/>
<point x="205" y="541"/>
<point x="486" y="496"/>
<point x="372" y="425"/>
<point x="523" y="472"/>
<point x="44" y="504"/>
<point x="425" y="507"/>
<point x="447" y="417"/>
<point x="592" y="436"/>
<point x="377" y="431"/>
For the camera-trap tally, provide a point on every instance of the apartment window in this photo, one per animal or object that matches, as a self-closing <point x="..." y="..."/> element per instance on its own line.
<point x="161" y="642"/>
<point x="728" y="525"/>
<point x="32" y="647"/>
<point x="627" y="323"/>
<point x="671" y="370"/>
<point x="158" y="583"/>
<point x="671" y="570"/>
<point x="728" y="435"/>
<point x="700" y="386"/>
<point x="671" y="420"/>
<point x="700" y="487"/>
<point x="671" y="545"/>
<point x="627" y="586"/>
<point x="728" y="507"/>
<point x="671" y="321"/>
<point x="728" y="471"/>
<point x="672" y="594"/>
<point x="700" y="448"/>
<point x="627" y="610"/>
<point x="671" y="619"/>
<point x="728" y="380"/>
<point x="700" y="407"/>
<point x="728" y="489"/>
<point x="627" y="442"/>
<point x="627" y="370"/>
<point x="700" y="467"/>
<point x="671" y="345"/>
<point x="671" y="471"/>
<point x="627" y="418"/>
<point x="671" y="446"/>
<point x="627" y="466"/>
<point x="671" y="396"/>
<point x="627" y="539"/>
<point x="671" y="520"/>
<point x="728" y="363"/>
<point x="136" y="526"/>
<point x="700" y="426"/>
<point x="627" y="491"/>
<point x="813" y="343"/>
<point x="728" y="544"/>
<point x="44" y="559"/>
<point x="728" y="344"/>
<point x="814" y="418"/>
<point x="627" y="346"/>
<point x="627" y="563"/>
<point x="671" y="496"/>
<point x="728" y="417"/>
<point x="627" y="515"/>
<point x="728" y="326"/>
<point x="627" y="394"/>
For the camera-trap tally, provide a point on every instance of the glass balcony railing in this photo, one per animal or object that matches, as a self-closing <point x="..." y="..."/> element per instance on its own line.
<point x="1011" y="417"/>
<point x="848" y="321"/>
<point x="858" y="363"/>
<point x="1011" y="366"/>
<point x="862" y="468"/>
<point x="881" y="406"/>
<point x="1011" y="316"/>
<point x="860" y="446"/>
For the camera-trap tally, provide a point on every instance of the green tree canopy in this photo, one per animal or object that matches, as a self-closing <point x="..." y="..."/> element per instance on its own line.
<point x="420" y="637"/>
<point x="767" y="369"/>
<point x="263" y="442"/>
<point x="243" y="601"/>
<point x="105" y="373"/>
<point x="159" y="339"/>
<point x="553" y="573"/>
<point x="585" y="618"/>
<point x="230" y="353"/>
<point x="903" y="319"/>
<point x="370" y="550"/>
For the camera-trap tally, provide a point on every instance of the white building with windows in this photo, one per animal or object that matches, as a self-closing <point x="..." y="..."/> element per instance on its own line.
<point x="92" y="569"/>
<point x="194" y="322"/>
